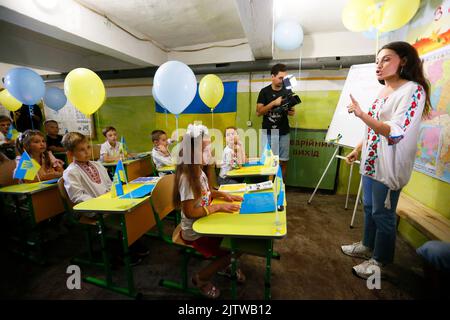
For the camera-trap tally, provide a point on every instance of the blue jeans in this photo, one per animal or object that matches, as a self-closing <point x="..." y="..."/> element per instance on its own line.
<point x="380" y="223"/>
<point x="436" y="253"/>
<point x="278" y="143"/>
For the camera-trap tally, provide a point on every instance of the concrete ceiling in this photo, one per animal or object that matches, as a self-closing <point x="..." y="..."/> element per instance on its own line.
<point x="123" y="34"/>
<point x="175" y="23"/>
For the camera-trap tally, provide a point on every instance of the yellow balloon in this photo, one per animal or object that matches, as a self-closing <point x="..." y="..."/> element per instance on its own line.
<point x="85" y="90"/>
<point x="357" y="15"/>
<point x="8" y="101"/>
<point x="210" y="90"/>
<point x="396" y="13"/>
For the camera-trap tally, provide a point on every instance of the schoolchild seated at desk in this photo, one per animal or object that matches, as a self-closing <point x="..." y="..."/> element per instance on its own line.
<point x="111" y="150"/>
<point x="85" y="179"/>
<point x="53" y="138"/>
<point x="7" y="143"/>
<point x="193" y="194"/>
<point x="233" y="157"/>
<point x="160" y="153"/>
<point x="33" y="142"/>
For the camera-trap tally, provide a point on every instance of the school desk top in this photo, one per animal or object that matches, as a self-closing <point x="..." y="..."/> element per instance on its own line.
<point x="261" y="170"/>
<point x="166" y="168"/>
<point x="28" y="188"/>
<point x="140" y="156"/>
<point x="106" y="204"/>
<point x="260" y="225"/>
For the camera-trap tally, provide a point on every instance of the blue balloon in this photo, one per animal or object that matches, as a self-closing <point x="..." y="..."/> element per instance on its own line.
<point x="54" y="98"/>
<point x="25" y="85"/>
<point x="174" y="86"/>
<point x="288" y="35"/>
<point x="155" y="97"/>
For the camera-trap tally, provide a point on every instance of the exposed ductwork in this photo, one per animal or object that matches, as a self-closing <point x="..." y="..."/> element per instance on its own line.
<point x="328" y="63"/>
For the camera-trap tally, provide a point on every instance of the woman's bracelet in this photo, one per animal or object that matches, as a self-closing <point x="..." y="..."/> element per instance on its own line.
<point x="206" y="210"/>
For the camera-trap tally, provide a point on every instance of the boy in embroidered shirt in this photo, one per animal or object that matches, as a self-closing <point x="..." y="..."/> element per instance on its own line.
<point x="160" y="152"/>
<point x="110" y="151"/>
<point x="83" y="179"/>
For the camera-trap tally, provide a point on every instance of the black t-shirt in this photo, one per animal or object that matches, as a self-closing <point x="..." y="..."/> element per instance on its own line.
<point x="54" y="142"/>
<point x="23" y="122"/>
<point x="273" y="120"/>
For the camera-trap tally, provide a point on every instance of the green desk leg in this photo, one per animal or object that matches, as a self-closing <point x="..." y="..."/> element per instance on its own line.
<point x="233" y="268"/>
<point x="29" y="233"/>
<point x="108" y="283"/>
<point x="267" y="278"/>
<point x="126" y="251"/>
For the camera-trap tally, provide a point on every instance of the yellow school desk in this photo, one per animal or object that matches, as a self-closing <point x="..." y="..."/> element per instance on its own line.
<point x="134" y="168"/>
<point x="135" y="219"/>
<point x="258" y="171"/>
<point x="250" y="233"/>
<point x="167" y="169"/>
<point x="42" y="202"/>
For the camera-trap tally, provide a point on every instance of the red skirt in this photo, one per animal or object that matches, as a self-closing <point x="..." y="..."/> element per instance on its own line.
<point x="207" y="246"/>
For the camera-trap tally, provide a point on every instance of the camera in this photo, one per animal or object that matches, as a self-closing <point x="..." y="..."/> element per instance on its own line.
<point x="289" y="100"/>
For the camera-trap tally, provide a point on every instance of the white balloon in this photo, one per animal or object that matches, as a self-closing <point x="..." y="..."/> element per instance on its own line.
<point x="288" y="35"/>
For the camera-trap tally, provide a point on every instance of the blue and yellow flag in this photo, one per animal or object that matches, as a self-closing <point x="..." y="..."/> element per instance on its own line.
<point x="117" y="188"/>
<point x="27" y="168"/>
<point x="120" y="172"/>
<point x="123" y="146"/>
<point x="224" y="115"/>
<point x="9" y="135"/>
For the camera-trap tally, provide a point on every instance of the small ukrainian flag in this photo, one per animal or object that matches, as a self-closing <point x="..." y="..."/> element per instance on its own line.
<point x="27" y="168"/>
<point x="120" y="171"/>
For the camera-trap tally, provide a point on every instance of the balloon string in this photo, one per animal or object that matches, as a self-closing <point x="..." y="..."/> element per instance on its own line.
<point x="31" y="117"/>
<point x="176" y="122"/>
<point x="212" y="118"/>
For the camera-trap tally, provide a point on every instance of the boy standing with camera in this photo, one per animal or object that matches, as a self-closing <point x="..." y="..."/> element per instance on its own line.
<point x="275" y="107"/>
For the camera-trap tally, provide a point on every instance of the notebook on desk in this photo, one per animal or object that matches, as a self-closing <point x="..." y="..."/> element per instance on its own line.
<point x="140" y="192"/>
<point x="258" y="203"/>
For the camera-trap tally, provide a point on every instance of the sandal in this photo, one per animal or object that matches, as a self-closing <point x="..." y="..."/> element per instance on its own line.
<point x="207" y="289"/>
<point x="240" y="276"/>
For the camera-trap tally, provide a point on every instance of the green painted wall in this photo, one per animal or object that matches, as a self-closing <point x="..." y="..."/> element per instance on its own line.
<point x="134" y="117"/>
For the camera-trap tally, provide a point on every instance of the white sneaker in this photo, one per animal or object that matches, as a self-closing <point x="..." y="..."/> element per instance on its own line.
<point x="357" y="250"/>
<point x="367" y="268"/>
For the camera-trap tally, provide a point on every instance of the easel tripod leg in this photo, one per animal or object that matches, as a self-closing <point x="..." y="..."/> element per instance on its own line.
<point x="323" y="175"/>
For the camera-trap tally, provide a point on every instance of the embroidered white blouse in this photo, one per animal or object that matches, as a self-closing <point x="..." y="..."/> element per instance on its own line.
<point x="391" y="160"/>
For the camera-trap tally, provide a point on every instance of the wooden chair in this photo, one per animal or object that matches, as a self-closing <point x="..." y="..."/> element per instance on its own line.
<point x="89" y="226"/>
<point x="7" y="167"/>
<point x="163" y="205"/>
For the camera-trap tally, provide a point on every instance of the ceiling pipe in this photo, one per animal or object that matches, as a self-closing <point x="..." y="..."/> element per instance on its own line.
<point x="327" y="63"/>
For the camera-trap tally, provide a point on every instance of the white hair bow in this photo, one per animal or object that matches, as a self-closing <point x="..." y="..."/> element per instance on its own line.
<point x="195" y="130"/>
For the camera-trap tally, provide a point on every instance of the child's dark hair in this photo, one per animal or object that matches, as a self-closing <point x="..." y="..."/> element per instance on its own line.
<point x="4" y="118"/>
<point x="108" y="129"/>
<point x="46" y="122"/>
<point x="189" y="166"/>
<point x="156" y="134"/>
<point x="72" y="139"/>
<point x="23" y="144"/>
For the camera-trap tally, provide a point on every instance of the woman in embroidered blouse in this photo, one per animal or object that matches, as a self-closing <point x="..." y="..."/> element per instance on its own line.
<point x="388" y="150"/>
